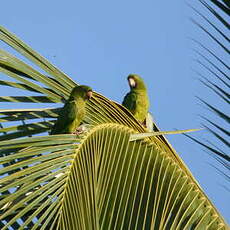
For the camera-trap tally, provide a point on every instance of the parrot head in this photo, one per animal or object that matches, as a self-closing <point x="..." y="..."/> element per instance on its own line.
<point x="136" y="82"/>
<point x="82" y="91"/>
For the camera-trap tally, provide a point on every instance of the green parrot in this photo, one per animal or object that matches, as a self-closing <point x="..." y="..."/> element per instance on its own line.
<point x="137" y="101"/>
<point x="73" y="112"/>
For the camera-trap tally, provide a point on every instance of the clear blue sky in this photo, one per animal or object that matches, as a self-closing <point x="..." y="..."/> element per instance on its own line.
<point x="100" y="42"/>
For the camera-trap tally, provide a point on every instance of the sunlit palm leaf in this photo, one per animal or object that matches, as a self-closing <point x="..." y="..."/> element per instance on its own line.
<point x="140" y="136"/>
<point x="104" y="182"/>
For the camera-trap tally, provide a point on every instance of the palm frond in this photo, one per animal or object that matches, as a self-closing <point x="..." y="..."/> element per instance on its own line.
<point x="217" y="65"/>
<point x="139" y="136"/>
<point x="21" y="47"/>
<point x="102" y="181"/>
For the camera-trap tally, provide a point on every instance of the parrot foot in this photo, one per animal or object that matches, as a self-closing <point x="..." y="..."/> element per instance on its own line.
<point x="79" y="131"/>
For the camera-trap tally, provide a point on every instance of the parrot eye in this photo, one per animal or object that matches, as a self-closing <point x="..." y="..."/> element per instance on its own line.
<point x="89" y="94"/>
<point x="132" y="82"/>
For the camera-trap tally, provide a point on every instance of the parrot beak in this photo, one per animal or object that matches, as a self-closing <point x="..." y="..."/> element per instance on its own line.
<point x="89" y="94"/>
<point x="132" y="82"/>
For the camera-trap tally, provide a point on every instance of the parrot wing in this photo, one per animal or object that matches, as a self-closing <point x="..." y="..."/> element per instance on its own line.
<point x="130" y="101"/>
<point x="66" y="117"/>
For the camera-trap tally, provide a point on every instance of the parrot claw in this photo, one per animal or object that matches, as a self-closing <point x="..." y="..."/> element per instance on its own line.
<point x="78" y="132"/>
<point x="81" y="129"/>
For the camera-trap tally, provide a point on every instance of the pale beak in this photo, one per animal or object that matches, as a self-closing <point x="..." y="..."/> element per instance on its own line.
<point x="132" y="82"/>
<point x="89" y="94"/>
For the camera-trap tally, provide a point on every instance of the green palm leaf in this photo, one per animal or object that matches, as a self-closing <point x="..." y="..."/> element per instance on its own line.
<point x="102" y="182"/>
<point x="216" y="66"/>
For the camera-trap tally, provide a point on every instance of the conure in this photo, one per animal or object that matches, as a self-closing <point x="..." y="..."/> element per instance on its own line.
<point x="73" y="112"/>
<point x="137" y="101"/>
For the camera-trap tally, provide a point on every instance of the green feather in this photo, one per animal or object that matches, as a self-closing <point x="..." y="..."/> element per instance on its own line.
<point x="73" y="112"/>
<point x="137" y="101"/>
